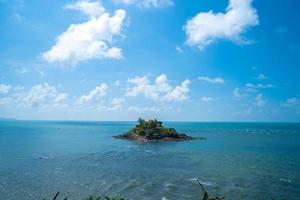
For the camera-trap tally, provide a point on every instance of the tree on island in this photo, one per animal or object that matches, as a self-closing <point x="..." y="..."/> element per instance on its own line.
<point x="152" y="129"/>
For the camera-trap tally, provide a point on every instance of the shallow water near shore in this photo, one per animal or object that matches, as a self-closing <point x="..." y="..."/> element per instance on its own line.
<point x="238" y="161"/>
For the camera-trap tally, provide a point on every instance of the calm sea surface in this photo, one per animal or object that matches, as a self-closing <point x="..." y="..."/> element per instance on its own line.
<point x="253" y="161"/>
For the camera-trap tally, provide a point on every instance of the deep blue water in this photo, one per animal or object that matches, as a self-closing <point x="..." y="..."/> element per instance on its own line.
<point x="250" y="161"/>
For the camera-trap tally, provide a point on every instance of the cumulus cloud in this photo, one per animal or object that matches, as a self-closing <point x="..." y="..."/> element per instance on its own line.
<point x="115" y="104"/>
<point x="217" y="80"/>
<point x="4" y="88"/>
<point x="261" y="77"/>
<point x="179" y="49"/>
<point x="236" y="93"/>
<point x="39" y="95"/>
<point x="90" y="39"/>
<point x="207" y="27"/>
<point x="117" y="83"/>
<point x="207" y="99"/>
<point x="91" y="9"/>
<point x="259" y="86"/>
<point x="22" y="70"/>
<point x="96" y="94"/>
<point x="291" y="102"/>
<point x="4" y="101"/>
<point x="160" y="90"/>
<point x="149" y="109"/>
<point x="60" y="99"/>
<point x="147" y="3"/>
<point x="260" y="101"/>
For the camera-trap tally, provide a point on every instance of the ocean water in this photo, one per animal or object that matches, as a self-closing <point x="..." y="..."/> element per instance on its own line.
<point x="251" y="161"/>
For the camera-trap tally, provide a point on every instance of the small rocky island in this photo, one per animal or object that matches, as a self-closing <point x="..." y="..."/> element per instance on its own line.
<point x="153" y="130"/>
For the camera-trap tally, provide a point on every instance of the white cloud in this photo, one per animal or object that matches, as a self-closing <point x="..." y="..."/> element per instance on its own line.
<point x="179" y="49"/>
<point x="90" y="39"/>
<point x="116" y="104"/>
<point x="261" y="77"/>
<point x="212" y="80"/>
<point x="149" y="109"/>
<point x="4" y="88"/>
<point x="91" y="9"/>
<point x="40" y="95"/>
<point x="142" y="86"/>
<point x="236" y="93"/>
<point x="22" y="70"/>
<point x="179" y="93"/>
<point x="259" y="86"/>
<point x="207" y="27"/>
<point x="60" y="99"/>
<point x="161" y="90"/>
<point x="291" y="102"/>
<point x="95" y="94"/>
<point x="260" y="101"/>
<point x="5" y="101"/>
<point x="207" y="99"/>
<point x="147" y="3"/>
<point x="117" y="83"/>
<point x="40" y="72"/>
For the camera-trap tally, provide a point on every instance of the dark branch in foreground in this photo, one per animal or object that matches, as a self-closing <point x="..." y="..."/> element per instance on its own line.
<point x="205" y="194"/>
<point x="92" y="198"/>
<point x="56" y="196"/>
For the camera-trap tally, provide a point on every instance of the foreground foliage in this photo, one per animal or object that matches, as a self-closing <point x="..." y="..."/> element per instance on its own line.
<point x="92" y="198"/>
<point x="204" y="193"/>
<point x="205" y="196"/>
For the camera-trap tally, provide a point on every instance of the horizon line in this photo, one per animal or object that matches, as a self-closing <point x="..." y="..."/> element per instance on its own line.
<point x="180" y="121"/>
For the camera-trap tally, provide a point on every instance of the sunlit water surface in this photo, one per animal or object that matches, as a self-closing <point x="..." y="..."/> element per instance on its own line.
<point x="250" y="161"/>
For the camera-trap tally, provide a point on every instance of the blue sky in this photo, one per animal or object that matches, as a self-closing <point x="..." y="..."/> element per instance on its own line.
<point x="208" y="60"/>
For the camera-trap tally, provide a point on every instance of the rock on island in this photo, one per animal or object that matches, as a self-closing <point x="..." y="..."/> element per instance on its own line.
<point x="153" y="130"/>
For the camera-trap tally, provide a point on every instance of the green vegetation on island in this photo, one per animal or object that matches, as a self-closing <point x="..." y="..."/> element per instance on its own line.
<point x="147" y="130"/>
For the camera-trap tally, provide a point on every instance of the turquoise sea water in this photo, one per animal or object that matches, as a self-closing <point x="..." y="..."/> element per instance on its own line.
<point x="238" y="160"/>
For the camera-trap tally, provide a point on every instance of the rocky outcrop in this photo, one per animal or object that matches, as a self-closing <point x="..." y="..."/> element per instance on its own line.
<point x="153" y="130"/>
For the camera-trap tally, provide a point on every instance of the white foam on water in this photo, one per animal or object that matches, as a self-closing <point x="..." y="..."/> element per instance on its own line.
<point x="285" y="180"/>
<point x="150" y="152"/>
<point x="170" y="186"/>
<point x="192" y="179"/>
<point x="207" y="183"/>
